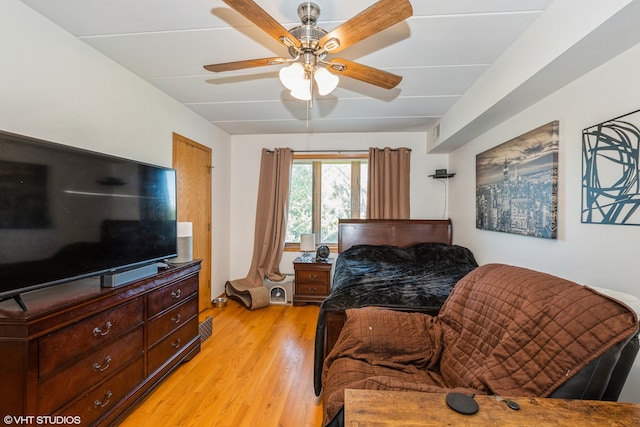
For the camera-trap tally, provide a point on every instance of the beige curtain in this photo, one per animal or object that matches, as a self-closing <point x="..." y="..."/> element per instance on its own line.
<point x="271" y="216"/>
<point x="388" y="183"/>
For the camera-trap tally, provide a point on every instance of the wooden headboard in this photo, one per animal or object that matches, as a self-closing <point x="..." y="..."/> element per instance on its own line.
<point x="396" y="232"/>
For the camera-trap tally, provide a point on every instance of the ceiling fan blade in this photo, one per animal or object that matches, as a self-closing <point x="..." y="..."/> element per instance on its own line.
<point x="375" y="18"/>
<point x="364" y="73"/>
<point x="238" y="65"/>
<point x="262" y="20"/>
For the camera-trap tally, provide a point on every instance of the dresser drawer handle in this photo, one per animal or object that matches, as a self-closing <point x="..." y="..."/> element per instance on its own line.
<point x="99" y="404"/>
<point x="176" y="343"/>
<point x="313" y="276"/>
<point x="313" y="290"/>
<point x="101" y="368"/>
<point x="99" y="332"/>
<point x="176" y="294"/>
<point x="176" y="319"/>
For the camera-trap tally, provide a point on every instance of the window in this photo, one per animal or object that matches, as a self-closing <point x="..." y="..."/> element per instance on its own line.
<point x="325" y="188"/>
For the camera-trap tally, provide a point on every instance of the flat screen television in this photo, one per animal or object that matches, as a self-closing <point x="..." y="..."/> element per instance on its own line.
<point x="67" y="213"/>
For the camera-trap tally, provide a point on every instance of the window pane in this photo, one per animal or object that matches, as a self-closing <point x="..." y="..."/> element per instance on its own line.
<point x="336" y="198"/>
<point x="300" y="204"/>
<point x="324" y="187"/>
<point x="364" y="173"/>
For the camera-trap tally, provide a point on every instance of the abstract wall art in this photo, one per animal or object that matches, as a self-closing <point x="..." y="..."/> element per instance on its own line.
<point x="610" y="171"/>
<point x="517" y="184"/>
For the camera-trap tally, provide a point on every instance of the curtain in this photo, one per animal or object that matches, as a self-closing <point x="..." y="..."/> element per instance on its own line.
<point x="271" y="216"/>
<point x="388" y="183"/>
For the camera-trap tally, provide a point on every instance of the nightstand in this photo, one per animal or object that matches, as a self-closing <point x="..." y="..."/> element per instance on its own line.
<point x="312" y="280"/>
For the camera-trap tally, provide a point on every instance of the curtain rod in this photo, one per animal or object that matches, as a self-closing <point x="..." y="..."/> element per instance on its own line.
<point x="336" y="151"/>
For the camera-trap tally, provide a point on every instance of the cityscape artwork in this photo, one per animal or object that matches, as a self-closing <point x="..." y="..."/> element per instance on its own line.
<point x="517" y="185"/>
<point x="611" y="171"/>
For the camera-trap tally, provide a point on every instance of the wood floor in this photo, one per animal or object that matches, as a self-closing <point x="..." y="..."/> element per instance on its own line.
<point x="255" y="370"/>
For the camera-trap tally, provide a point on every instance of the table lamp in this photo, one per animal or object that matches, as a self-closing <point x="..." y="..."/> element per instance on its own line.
<point x="307" y="244"/>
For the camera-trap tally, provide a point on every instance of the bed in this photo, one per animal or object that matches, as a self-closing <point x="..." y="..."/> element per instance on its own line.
<point x="400" y="264"/>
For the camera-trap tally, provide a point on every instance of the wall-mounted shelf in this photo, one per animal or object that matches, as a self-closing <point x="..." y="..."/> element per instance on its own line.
<point x="443" y="176"/>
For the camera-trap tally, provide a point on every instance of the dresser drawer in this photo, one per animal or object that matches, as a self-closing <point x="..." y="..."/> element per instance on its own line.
<point x="98" y="401"/>
<point x="169" y="321"/>
<point x="317" y="289"/>
<point x="89" y="370"/>
<point x="313" y="276"/>
<point x="61" y="346"/>
<point x="172" y="344"/>
<point x="164" y="298"/>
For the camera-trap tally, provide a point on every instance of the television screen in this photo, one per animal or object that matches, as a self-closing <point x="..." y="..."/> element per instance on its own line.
<point x="67" y="213"/>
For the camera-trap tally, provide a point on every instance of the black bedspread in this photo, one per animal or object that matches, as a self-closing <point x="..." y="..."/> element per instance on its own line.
<point x="422" y="276"/>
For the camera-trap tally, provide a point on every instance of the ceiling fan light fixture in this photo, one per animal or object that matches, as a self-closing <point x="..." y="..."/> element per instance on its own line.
<point x="326" y="81"/>
<point x="302" y="91"/>
<point x="309" y="44"/>
<point x="292" y="75"/>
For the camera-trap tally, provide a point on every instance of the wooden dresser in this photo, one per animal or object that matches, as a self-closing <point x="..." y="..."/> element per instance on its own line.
<point x="312" y="280"/>
<point x="86" y="354"/>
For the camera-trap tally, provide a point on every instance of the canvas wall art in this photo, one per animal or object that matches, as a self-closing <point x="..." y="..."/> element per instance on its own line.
<point x="517" y="184"/>
<point x="610" y="178"/>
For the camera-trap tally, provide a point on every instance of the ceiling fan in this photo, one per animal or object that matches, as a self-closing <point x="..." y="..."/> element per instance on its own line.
<point x="309" y="46"/>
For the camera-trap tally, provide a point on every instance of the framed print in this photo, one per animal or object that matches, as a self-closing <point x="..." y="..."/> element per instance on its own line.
<point x="517" y="185"/>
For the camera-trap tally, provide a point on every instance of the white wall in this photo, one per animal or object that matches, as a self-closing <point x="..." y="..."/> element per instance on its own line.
<point x="590" y="254"/>
<point x="56" y="88"/>
<point x="427" y="194"/>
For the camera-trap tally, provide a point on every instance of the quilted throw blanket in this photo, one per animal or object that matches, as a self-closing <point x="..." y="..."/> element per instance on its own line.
<point x="520" y="332"/>
<point x="422" y="276"/>
<point x="503" y="330"/>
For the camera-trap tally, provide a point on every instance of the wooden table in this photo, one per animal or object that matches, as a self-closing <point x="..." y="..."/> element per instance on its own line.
<point x="369" y="408"/>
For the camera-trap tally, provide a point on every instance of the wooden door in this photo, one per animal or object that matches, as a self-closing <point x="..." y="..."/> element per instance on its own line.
<point x="192" y="161"/>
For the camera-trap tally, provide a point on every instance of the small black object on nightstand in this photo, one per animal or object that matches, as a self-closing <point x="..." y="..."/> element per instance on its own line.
<point x="323" y="252"/>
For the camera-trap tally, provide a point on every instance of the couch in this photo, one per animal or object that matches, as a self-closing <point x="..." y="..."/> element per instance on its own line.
<point x="504" y="330"/>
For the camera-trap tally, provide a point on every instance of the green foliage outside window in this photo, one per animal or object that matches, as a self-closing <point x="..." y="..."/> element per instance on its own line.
<point x="339" y="192"/>
<point x="300" y="201"/>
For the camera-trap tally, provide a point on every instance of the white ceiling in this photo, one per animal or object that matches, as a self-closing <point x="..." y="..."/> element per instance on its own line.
<point x="440" y="51"/>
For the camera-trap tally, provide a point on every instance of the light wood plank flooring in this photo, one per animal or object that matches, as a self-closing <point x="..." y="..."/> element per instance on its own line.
<point x="255" y="370"/>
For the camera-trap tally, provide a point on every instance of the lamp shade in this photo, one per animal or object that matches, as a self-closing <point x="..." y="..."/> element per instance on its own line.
<point x="303" y="90"/>
<point x="292" y="75"/>
<point x="326" y="81"/>
<point x="308" y="242"/>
